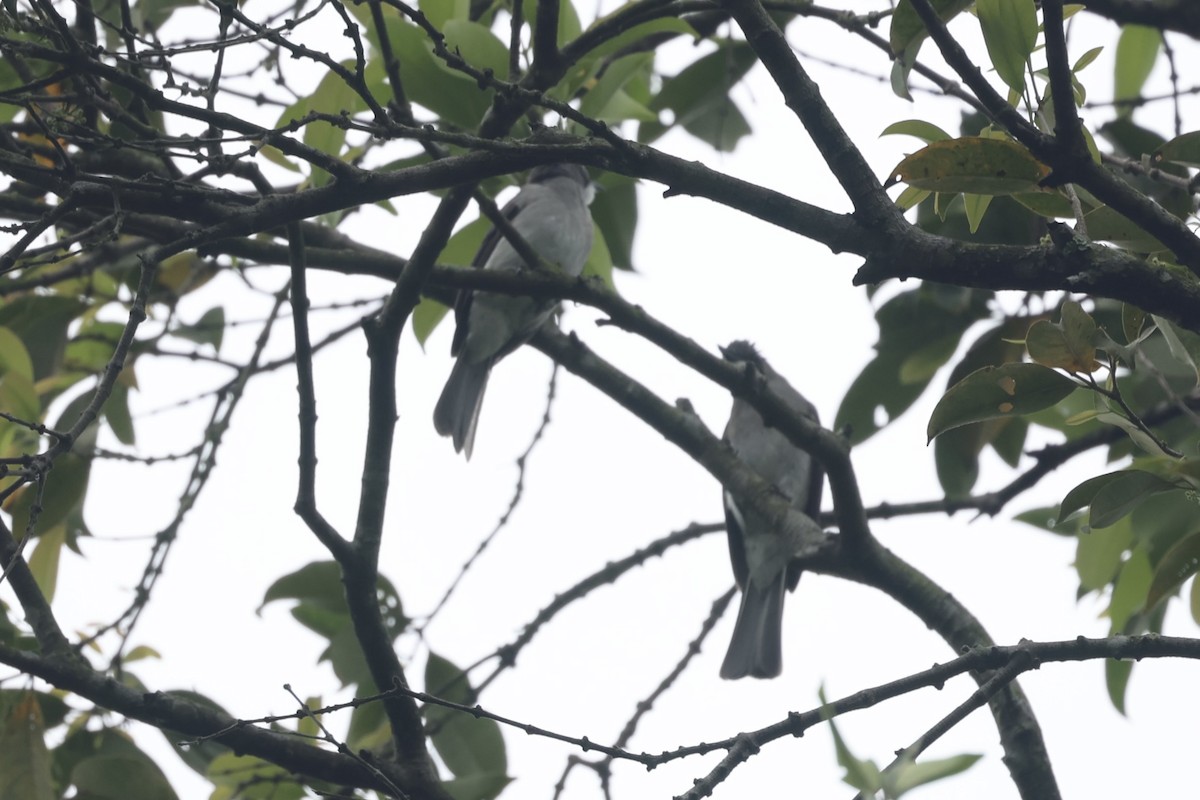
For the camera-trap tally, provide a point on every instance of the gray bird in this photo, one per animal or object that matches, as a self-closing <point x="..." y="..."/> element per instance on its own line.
<point x="763" y="559"/>
<point x="551" y="214"/>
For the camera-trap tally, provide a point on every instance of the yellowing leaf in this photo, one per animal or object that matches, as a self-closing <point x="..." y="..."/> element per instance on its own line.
<point x="993" y="392"/>
<point x="972" y="164"/>
<point x="1067" y="344"/>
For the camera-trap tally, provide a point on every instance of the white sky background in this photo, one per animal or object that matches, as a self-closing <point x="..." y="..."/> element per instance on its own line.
<point x="601" y="485"/>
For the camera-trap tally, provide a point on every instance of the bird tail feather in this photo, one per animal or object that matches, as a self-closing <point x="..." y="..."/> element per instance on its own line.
<point x="756" y="648"/>
<point x="457" y="412"/>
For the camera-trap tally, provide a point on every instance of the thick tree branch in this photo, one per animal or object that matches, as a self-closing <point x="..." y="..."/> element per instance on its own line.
<point x="1172" y="15"/>
<point x="193" y="720"/>
<point x="803" y="97"/>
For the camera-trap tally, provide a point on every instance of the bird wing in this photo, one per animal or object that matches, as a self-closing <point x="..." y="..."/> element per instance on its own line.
<point x="462" y="301"/>
<point x="736" y="539"/>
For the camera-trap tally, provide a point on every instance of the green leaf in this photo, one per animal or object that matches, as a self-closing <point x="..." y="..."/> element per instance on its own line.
<point x="876" y="387"/>
<point x="1194" y="601"/>
<point x="440" y="12"/>
<point x="132" y="776"/>
<point x="251" y="778"/>
<point x="720" y="126"/>
<point x="153" y="13"/>
<point x="1049" y="203"/>
<point x="615" y="212"/>
<point x="1087" y="58"/>
<point x="1136" y="434"/>
<point x="427" y="81"/>
<point x="209" y="329"/>
<point x="976" y="206"/>
<point x="1045" y="519"/>
<point x="926" y="359"/>
<point x="1098" y="554"/>
<point x="318" y="588"/>
<point x="1137" y="50"/>
<point x="956" y="452"/>
<point x="317" y="584"/>
<point x="1178" y="564"/>
<point x="480" y="786"/>
<point x="1132" y="321"/>
<point x="699" y="98"/>
<point x="198" y="756"/>
<point x="901" y="69"/>
<point x="639" y="33"/>
<point x="599" y="263"/>
<point x="1116" y="678"/>
<point x="276" y="157"/>
<point x="1184" y="149"/>
<point x="14" y="358"/>
<point x="1081" y="496"/>
<point x="862" y="774"/>
<point x="1010" y="32"/>
<point x="65" y="487"/>
<point x="1179" y="350"/>
<point x="1131" y="489"/>
<point x="24" y="759"/>
<point x="910" y="197"/>
<point x="331" y="97"/>
<point x="598" y="103"/>
<point x="972" y="164"/>
<point x="956" y="456"/>
<point x="998" y="392"/>
<point x="907" y="29"/>
<point x="1130" y="589"/>
<point x="426" y="317"/>
<point x="19" y="397"/>
<point x="44" y="560"/>
<point x="369" y="728"/>
<point x="908" y="775"/>
<point x="180" y="274"/>
<point x="1163" y="521"/>
<point x="42" y="324"/>
<point x="92" y="348"/>
<point x="463" y="246"/>
<point x="470" y="747"/>
<point x="116" y="411"/>
<point x="921" y="321"/>
<point x="925" y="131"/>
<point x="1009" y="440"/>
<point x="477" y="45"/>
<point x="1108" y="225"/>
<point x="621" y="107"/>
<point x="345" y="656"/>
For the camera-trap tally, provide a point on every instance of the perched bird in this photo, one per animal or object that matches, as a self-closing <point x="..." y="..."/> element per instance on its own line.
<point x="763" y="559"/>
<point x="551" y="214"/>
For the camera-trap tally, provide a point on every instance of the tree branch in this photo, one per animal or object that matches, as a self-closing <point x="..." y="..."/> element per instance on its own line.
<point x="1172" y="15"/>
